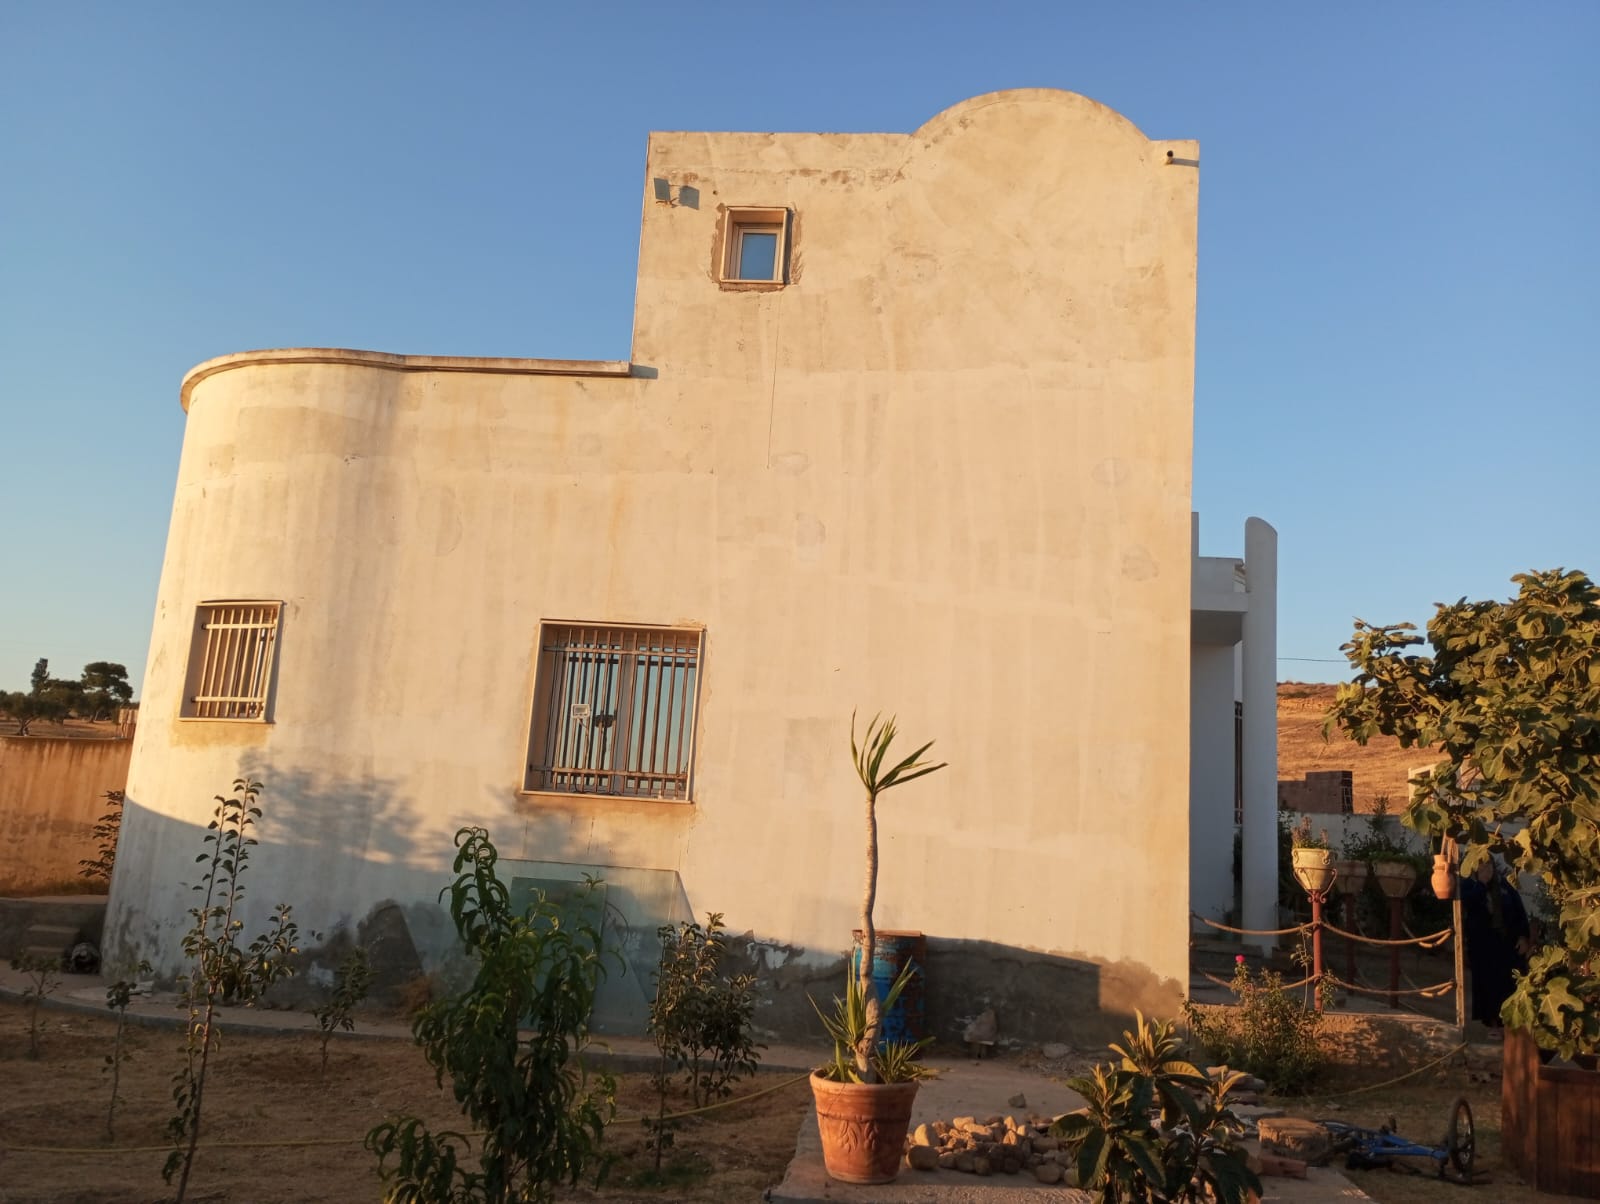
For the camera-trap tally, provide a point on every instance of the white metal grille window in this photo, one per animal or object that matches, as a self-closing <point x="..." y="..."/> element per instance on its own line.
<point x="614" y="710"/>
<point x="231" y="660"/>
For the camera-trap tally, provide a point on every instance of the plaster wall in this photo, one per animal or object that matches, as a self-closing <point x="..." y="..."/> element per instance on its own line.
<point x="944" y="471"/>
<point x="52" y="793"/>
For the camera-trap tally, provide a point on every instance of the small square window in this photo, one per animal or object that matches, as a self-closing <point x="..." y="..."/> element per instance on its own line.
<point x="231" y="660"/>
<point x="755" y="246"/>
<point x="614" y="710"/>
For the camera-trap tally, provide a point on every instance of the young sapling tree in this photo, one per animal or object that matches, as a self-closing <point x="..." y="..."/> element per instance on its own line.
<point x="44" y="976"/>
<point x="221" y="968"/>
<point x="118" y="995"/>
<point x="351" y="981"/>
<point x="538" y="1117"/>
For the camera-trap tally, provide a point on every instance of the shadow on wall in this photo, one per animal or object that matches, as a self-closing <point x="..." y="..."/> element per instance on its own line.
<point x="1036" y="997"/>
<point x="344" y="856"/>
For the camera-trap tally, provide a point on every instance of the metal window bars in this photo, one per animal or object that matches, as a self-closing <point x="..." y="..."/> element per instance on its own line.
<point x="234" y="662"/>
<point x="614" y="711"/>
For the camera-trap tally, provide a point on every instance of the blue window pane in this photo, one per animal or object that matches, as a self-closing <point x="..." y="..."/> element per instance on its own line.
<point x="758" y="256"/>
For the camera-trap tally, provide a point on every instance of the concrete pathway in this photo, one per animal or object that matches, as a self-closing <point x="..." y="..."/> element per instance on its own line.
<point x="963" y="1087"/>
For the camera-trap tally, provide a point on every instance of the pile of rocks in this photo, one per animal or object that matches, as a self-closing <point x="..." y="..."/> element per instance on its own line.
<point x="992" y="1145"/>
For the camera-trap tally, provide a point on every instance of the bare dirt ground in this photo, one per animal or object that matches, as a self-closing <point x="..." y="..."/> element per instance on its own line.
<point x="1381" y="767"/>
<point x="267" y="1089"/>
<point x="307" y="1133"/>
<point x="1367" y="1052"/>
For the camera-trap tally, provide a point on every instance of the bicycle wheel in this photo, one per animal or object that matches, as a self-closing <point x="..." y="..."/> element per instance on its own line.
<point x="1459" y="1143"/>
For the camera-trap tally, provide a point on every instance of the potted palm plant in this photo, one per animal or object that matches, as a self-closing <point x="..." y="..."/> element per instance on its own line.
<point x="864" y="1096"/>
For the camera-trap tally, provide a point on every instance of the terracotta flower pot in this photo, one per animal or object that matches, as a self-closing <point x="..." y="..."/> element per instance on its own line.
<point x="1444" y="877"/>
<point x="863" y="1127"/>
<point x="1313" y="869"/>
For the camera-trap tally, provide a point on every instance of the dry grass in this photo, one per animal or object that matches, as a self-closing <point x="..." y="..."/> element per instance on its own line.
<point x="1381" y="767"/>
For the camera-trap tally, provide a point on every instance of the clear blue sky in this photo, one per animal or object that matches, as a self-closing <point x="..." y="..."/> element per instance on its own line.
<point x="1398" y="270"/>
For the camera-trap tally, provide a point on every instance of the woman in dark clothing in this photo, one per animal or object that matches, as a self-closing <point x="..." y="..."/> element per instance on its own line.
<point x="1495" y="925"/>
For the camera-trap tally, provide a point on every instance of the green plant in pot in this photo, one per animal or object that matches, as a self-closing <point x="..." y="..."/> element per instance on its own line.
<point x="1312" y="857"/>
<point x="865" y="1094"/>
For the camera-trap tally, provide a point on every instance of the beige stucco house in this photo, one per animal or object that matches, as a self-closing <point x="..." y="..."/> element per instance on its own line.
<point x="906" y="425"/>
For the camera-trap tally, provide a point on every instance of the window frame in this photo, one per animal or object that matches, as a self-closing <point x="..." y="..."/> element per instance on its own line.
<point x="741" y="220"/>
<point x="225" y="662"/>
<point x="561" y="650"/>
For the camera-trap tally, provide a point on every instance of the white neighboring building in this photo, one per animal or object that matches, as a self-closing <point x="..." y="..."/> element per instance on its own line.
<point x="907" y="424"/>
<point x="1233" y="742"/>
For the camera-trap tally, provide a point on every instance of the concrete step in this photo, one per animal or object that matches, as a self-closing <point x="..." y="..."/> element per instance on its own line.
<point x="40" y="934"/>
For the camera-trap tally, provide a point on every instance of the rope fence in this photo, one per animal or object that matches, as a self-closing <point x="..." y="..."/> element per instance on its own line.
<point x="1314" y="928"/>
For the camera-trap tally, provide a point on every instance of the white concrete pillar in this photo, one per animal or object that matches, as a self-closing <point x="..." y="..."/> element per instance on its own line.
<point x="1259" y="671"/>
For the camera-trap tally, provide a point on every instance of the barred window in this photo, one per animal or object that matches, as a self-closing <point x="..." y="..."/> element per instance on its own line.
<point x="231" y="660"/>
<point x="614" y="710"/>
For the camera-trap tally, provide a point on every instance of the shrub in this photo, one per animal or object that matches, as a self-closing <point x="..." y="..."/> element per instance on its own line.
<point x="538" y="1119"/>
<point x="700" y="1020"/>
<point x="1122" y="1154"/>
<point x="1269" y="1033"/>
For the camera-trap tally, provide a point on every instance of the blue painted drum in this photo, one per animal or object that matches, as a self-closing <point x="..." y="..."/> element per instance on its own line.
<point x="908" y="1019"/>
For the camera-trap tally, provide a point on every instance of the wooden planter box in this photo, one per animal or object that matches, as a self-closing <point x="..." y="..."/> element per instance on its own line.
<point x="1550" y="1121"/>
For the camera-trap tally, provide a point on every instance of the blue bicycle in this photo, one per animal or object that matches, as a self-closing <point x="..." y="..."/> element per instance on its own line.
<point x="1367" y="1149"/>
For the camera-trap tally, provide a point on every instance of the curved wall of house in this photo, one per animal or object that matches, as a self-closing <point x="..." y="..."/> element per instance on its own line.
<point x="942" y="470"/>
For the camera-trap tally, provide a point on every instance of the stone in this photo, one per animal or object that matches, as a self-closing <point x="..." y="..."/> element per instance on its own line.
<point x="1054" y="1050"/>
<point x="1284" y="1168"/>
<point x="1258" y="1111"/>
<point x="940" y="1127"/>
<point x="947" y="1160"/>
<point x="1047" y="1172"/>
<point x="1010" y="1123"/>
<point x="1019" y="1100"/>
<point x="1010" y="1166"/>
<point x="1045" y="1144"/>
<point x="982" y="1132"/>
<point x="922" y="1158"/>
<point x="922" y="1135"/>
<point x="967" y="1163"/>
<point x="983" y="1030"/>
<point x="982" y="1166"/>
<point x="1293" y="1137"/>
<point x="964" y="1122"/>
<point x="386" y="937"/>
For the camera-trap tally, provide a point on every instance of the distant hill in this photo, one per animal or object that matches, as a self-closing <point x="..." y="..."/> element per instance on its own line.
<point x="1380" y="768"/>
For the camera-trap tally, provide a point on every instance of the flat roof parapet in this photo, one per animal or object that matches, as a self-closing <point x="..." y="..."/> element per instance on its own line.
<point x="482" y="365"/>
